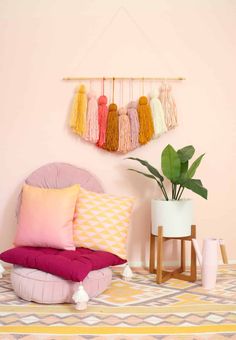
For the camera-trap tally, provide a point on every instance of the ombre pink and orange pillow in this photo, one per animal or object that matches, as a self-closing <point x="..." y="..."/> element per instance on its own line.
<point x="46" y="217"/>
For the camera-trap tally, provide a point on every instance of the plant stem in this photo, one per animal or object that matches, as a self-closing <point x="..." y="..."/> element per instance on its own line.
<point x="181" y="193"/>
<point x="165" y="193"/>
<point x="162" y="189"/>
<point x="173" y="192"/>
<point x="175" y="188"/>
<point x="176" y="196"/>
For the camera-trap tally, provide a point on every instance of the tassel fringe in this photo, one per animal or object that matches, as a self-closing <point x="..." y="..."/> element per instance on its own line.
<point x="158" y="115"/>
<point x="78" y="114"/>
<point x="112" y="133"/>
<point x="127" y="273"/>
<point x="81" y="298"/>
<point x="146" y="128"/>
<point x="2" y="270"/>
<point x="124" y="131"/>
<point x="134" y="125"/>
<point x="169" y="106"/>
<point x="92" y="130"/>
<point x="102" y="120"/>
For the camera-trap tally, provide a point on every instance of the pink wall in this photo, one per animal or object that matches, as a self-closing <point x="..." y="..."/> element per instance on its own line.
<point x="42" y="41"/>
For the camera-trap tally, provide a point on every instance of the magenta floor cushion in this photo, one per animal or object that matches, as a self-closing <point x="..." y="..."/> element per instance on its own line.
<point x="69" y="264"/>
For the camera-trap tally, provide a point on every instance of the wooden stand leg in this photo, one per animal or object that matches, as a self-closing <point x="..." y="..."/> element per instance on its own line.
<point x="152" y="255"/>
<point x="159" y="254"/>
<point x="193" y="269"/>
<point x="183" y="256"/>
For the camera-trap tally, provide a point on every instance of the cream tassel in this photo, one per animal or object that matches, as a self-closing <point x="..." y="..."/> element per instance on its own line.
<point x="2" y="270"/>
<point x="127" y="273"/>
<point x="81" y="298"/>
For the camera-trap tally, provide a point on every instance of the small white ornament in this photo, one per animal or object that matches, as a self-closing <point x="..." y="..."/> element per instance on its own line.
<point x="127" y="273"/>
<point x="81" y="298"/>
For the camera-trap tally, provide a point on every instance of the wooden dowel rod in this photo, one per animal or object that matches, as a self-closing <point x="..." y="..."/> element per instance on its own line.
<point x="124" y="78"/>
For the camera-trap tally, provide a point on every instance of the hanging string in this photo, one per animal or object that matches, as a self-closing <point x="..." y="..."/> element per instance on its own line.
<point x="131" y="90"/>
<point x="143" y="87"/>
<point x="124" y="126"/>
<point x="103" y="86"/>
<point x="133" y="118"/>
<point x="113" y="89"/>
<point x="121" y="93"/>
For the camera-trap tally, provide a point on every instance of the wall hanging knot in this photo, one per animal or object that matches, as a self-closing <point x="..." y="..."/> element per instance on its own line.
<point x="132" y="125"/>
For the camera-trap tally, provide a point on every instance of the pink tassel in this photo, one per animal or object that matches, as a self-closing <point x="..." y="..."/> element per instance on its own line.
<point x="124" y="131"/>
<point x="169" y="106"/>
<point x="102" y="120"/>
<point x="134" y="125"/>
<point x="92" y="131"/>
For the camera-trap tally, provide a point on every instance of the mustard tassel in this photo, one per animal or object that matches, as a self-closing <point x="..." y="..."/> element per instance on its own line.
<point x="78" y="113"/>
<point x="146" y="128"/>
<point x="112" y="132"/>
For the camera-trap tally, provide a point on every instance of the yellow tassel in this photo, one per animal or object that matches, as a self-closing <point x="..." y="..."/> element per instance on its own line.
<point x="78" y="113"/>
<point x="146" y="128"/>
<point x="112" y="132"/>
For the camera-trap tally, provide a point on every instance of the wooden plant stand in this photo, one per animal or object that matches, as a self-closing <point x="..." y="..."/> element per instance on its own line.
<point x="163" y="275"/>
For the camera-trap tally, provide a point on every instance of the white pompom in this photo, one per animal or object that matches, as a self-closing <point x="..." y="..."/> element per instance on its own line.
<point x="127" y="273"/>
<point x="81" y="298"/>
<point x="2" y="270"/>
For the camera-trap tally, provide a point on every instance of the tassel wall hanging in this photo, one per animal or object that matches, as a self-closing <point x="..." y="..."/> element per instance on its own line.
<point x="169" y="106"/>
<point x="92" y="129"/>
<point x="157" y="115"/>
<point x="129" y="127"/>
<point x="78" y="114"/>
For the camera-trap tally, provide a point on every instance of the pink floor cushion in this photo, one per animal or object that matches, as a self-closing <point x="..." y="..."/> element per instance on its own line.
<point x="71" y="265"/>
<point x="38" y="286"/>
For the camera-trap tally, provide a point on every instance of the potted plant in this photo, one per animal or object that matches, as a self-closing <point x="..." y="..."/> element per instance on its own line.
<point x="172" y="212"/>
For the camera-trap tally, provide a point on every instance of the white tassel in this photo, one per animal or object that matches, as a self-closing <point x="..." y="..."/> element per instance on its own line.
<point x="2" y="270"/>
<point x="127" y="273"/>
<point x="81" y="298"/>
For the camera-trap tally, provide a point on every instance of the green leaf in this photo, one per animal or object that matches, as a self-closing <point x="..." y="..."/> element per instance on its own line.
<point x="183" y="171"/>
<point x="183" y="168"/>
<point x="198" y="181"/>
<point x="191" y="171"/>
<point x="195" y="185"/>
<point x="170" y="163"/>
<point x="186" y="153"/>
<point x="151" y="169"/>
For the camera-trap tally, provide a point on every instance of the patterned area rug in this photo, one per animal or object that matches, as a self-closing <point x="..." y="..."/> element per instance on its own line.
<point x="136" y="309"/>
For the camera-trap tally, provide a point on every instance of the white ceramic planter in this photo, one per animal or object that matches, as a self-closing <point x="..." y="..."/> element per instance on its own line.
<point x="176" y="217"/>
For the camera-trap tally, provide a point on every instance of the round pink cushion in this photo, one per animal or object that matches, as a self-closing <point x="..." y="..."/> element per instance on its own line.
<point x="61" y="175"/>
<point x="38" y="286"/>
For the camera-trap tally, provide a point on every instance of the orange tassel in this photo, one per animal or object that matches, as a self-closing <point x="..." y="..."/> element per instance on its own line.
<point x="112" y="132"/>
<point x="146" y="128"/>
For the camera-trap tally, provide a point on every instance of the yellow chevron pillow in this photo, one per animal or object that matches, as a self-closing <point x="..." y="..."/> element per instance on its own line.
<point x="102" y="222"/>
